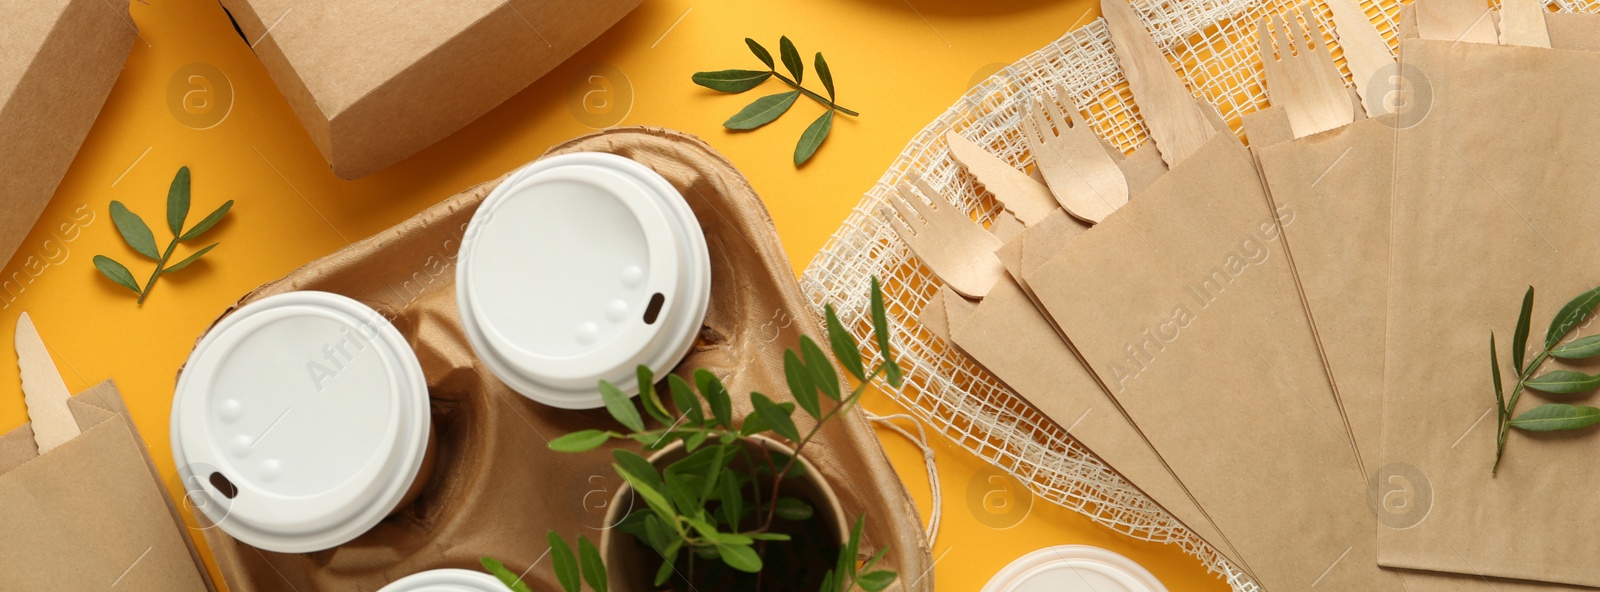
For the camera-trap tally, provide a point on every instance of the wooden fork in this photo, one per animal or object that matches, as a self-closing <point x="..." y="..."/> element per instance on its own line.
<point x="954" y="246"/>
<point x="1303" y="80"/>
<point x="1083" y="177"/>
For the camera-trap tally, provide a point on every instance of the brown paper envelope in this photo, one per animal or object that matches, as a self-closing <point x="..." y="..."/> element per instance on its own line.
<point x="91" y="514"/>
<point x="1185" y="306"/>
<point x="1337" y="185"/>
<point x="1008" y="336"/>
<point x="1494" y="191"/>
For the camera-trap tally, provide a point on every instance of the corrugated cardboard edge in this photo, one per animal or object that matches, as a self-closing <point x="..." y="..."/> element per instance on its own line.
<point x="46" y="119"/>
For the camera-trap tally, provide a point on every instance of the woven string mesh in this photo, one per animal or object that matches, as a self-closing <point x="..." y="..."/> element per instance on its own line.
<point x="1212" y="45"/>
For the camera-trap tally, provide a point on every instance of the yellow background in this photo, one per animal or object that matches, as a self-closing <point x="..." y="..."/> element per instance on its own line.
<point x="899" y="63"/>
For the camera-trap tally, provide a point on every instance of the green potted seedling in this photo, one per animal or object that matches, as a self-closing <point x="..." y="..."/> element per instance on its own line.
<point x="722" y="503"/>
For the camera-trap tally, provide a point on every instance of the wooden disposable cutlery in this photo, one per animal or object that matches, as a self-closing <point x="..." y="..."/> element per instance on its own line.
<point x="1365" y="51"/>
<point x="1027" y="199"/>
<point x="1176" y="123"/>
<point x="1462" y="21"/>
<point x="954" y="246"/>
<point x="1083" y="177"/>
<point x="1522" y="23"/>
<point x="1303" y="79"/>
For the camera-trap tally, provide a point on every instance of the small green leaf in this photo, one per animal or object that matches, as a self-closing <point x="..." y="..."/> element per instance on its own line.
<point x="876" y="581"/>
<point x="731" y="81"/>
<point x="694" y="440"/>
<point x="1564" y="382"/>
<point x="740" y="557"/>
<point x="178" y="201"/>
<point x="620" y="406"/>
<point x="594" y="570"/>
<point x="732" y="503"/>
<point x="800" y="386"/>
<point x="761" y="52"/>
<point x="824" y="74"/>
<point x="793" y="509"/>
<point x="774" y="416"/>
<point x="651" y="495"/>
<point x="209" y="221"/>
<point x="812" y="138"/>
<point x="1519" y="340"/>
<point x="1570" y="316"/>
<point x="716" y="396"/>
<point x="647" y="394"/>
<point x="666" y="569"/>
<point x="791" y="59"/>
<point x="853" y="548"/>
<point x="580" y="441"/>
<point x="134" y="231"/>
<point x="506" y="576"/>
<point x="1586" y="347"/>
<point x="1556" y="417"/>
<point x="637" y="466"/>
<point x="683" y="398"/>
<point x="767" y="536"/>
<point x="1494" y="367"/>
<point x="566" y="565"/>
<point x="762" y="111"/>
<point x="844" y="345"/>
<point x="880" y="326"/>
<point x="190" y="259"/>
<point x="116" y="272"/>
<point x="822" y="372"/>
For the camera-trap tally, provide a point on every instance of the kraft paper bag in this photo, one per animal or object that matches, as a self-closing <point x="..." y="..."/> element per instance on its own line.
<point x="497" y="488"/>
<point x="1494" y="192"/>
<point x="1212" y="355"/>
<point x="92" y="513"/>
<point x="1008" y="335"/>
<point x="1336" y="184"/>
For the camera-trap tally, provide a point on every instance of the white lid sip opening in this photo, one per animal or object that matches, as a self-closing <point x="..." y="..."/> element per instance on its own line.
<point x="577" y="269"/>
<point x="300" y="421"/>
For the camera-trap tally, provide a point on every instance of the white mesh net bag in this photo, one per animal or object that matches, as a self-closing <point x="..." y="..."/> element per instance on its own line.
<point x="1212" y="46"/>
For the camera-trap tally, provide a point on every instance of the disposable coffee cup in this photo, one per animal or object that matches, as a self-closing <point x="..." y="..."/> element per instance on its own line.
<point x="446" y="580"/>
<point x="579" y="268"/>
<point x="300" y="421"/>
<point x="1074" y="568"/>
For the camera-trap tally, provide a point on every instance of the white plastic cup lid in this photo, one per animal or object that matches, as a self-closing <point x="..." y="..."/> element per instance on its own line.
<point x="300" y="421"/>
<point x="446" y="580"/>
<point x="577" y="269"/>
<point x="1074" y="568"/>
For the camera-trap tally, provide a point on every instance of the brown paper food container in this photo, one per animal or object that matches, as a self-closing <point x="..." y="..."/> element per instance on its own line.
<point x="497" y="489"/>
<point x="1493" y="193"/>
<point x="374" y="81"/>
<point x="1212" y="356"/>
<point x="58" y="61"/>
<point x="92" y="513"/>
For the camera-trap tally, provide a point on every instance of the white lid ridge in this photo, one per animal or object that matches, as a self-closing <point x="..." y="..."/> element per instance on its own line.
<point x="300" y="421"/>
<point x="577" y="269"/>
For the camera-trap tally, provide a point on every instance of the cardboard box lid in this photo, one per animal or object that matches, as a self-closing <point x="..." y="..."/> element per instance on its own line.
<point x="58" y="61"/>
<point x="375" y="81"/>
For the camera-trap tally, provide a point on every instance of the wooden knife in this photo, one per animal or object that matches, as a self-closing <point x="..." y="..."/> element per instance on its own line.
<point x="43" y="390"/>
<point x="1027" y="199"/>
<point x="1176" y="123"/>
<point x="1365" y="51"/>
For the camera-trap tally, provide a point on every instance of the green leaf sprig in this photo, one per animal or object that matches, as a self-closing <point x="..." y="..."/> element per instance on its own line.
<point x="767" y="109"/>
<point x="720" y="501"/>
<point x="137" y="234"/>
<point x="1549" y="417"/>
